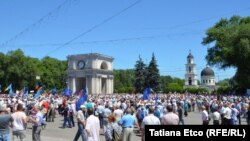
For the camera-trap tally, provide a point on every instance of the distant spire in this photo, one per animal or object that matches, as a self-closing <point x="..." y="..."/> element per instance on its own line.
<point x="190" y="55"/>
<point x="190" y="51"/>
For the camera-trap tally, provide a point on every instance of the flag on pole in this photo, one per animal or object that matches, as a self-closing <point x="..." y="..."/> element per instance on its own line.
<point x="81" y="99"/>
<point x="146" y="93"/>
<point x="54" y="91"/>
<point x="24" y="92"/>
<point x="9" y="88"/>
<point x="39" y="92"/>
<point x="67" y="92"/>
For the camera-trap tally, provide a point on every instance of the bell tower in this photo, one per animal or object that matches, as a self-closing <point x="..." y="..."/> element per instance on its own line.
<point x="190" y="76"/>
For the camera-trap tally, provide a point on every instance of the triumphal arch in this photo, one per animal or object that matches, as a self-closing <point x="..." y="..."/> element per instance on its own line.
<point x="93" y="71"/>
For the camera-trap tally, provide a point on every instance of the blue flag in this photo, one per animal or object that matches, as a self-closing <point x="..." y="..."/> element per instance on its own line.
<point x="146" y="93"/>
<point x="9" y="88"/>
<point x="24" y="92"/>
<point x="81" y="100"/>
<point x="156" y="98"/>
<point x="67" y="92"/>
<point x="39" y="92"/>
<point x="54" y="91"/>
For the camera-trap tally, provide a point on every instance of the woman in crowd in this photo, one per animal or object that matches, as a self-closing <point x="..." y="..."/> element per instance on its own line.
<point x="113" y="131"/>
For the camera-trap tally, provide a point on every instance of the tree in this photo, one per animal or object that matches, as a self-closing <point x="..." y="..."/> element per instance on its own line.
<point x="231" y="47"/>
<point x="21" y="70"/>
<point x="174" y="87"/>
<point x="165" y="80"/>
<point x="53" y="72"/>
<point x="152" y="75"/>
<point x="224" y="83"/>
<point x="18" y="69"/>
<point x="123" y="81"/>
<point x="140" y="73"/>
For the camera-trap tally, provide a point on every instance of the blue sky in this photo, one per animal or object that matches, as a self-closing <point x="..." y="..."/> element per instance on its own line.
<point x="169" y="28"/>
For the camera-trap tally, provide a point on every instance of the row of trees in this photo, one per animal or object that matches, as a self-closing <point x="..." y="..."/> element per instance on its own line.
<point x="21" y="70"/>
<point x="147" y="76"/>
<point x="125" y="80"/>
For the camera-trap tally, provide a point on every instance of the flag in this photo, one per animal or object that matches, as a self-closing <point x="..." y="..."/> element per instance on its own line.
<point x="54" y="91"/>
<point x="9" y="88"/>
<point x="146" y="93"/>
<point x="36" y="86"/>
<point x="81" y="99"/>
<point x="156" y="98"/>
<point x="24" y="92"/>
<point x="39" y="92"/>
<point x="67" y="92"/>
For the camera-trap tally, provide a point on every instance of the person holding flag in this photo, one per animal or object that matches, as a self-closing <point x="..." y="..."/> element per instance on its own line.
<point x="81" y="100"/>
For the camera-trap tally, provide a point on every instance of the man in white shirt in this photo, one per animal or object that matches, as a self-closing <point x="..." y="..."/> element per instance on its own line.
<point x="92" y="127"/>
<point x="149" y="120"/>
<point x="216" y="117"/>
<point x="227" y="113"/>
<point x="19" y="123"/>
<point x="118" y="112"/>
<point x="234" y="115"/>
<point x="81" y="124"/>
<point x="204" y="116"/>
<point x="170" y="118"/>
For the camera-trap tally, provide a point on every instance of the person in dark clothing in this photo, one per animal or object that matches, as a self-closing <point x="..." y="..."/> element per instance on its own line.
<point x="66" y="116"/>
<point x="180" y="114"/>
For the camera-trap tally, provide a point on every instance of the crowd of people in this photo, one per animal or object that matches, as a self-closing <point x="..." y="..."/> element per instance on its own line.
<point x="118" y="115"/>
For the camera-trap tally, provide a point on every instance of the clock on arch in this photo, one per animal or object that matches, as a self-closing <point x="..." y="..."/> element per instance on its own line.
<point x="81" y="64"/>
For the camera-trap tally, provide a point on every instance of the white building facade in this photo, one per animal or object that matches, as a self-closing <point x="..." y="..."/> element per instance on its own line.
<point x="93" y="71"/>
<point x="190" y="76"/>
<point x="207" y="77"/>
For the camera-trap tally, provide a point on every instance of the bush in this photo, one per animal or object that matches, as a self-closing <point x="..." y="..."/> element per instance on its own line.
<point x="173" y="87"/>
<point x="196" y="90"/>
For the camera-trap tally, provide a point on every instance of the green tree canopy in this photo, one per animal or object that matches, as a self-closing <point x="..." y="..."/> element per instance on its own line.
<point x="123" y="81"/>
<point x="21" y="70"/>
<point x="230" y="40"/>
<point x="173" y="87"/>
<point x="140" y="74"/>
<point x="153" y="75"/>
